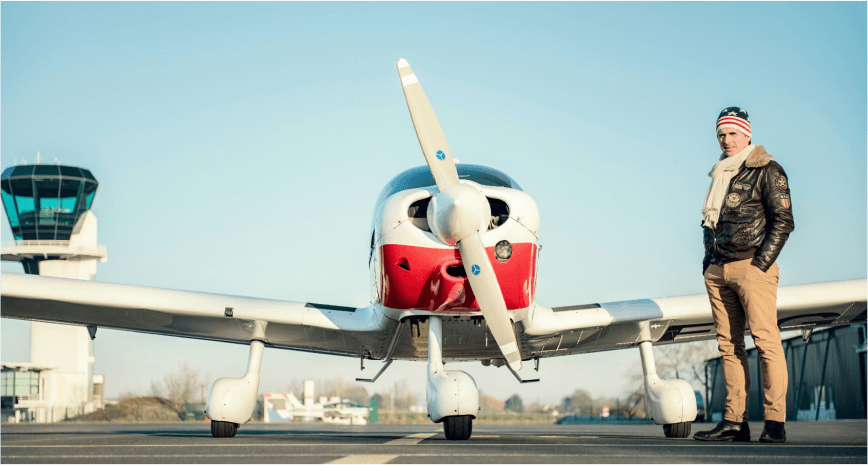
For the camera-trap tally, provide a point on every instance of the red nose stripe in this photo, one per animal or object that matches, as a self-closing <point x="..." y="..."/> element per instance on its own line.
<point x="425" y="286"/>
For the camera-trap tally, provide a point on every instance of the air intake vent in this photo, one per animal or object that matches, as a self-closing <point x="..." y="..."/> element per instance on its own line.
<point x="456" y="271"/>
<point x="499" y="212"/>
<point x="418" y="214"/>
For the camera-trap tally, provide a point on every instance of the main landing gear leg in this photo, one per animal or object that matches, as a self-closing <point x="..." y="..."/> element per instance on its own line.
<point x="452" y="396"/>
<point x="232" y="400"/>
<point x="671" y="403"/>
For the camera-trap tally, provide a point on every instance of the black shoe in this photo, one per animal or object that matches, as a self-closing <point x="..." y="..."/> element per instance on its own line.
<point x="726" y="431"/>
<point x="773" y="432"/>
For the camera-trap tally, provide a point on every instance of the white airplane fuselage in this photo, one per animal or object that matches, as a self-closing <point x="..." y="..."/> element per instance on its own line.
<point x="413" y="273"/>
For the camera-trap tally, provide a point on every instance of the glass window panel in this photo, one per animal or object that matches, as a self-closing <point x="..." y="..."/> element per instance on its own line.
<point x="25" y="204"/>
<point x="22" y="187"/>
<point x="69" y="188"/>
<point x="46" y="170"/>
<point x="11" y="212"/>
<point x="23" y="170"/>
<point x="70" y="171"/>
<point x="89" y="200"/>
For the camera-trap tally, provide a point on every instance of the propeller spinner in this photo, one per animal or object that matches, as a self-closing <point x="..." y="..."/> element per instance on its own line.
<point x="458" y="214"/>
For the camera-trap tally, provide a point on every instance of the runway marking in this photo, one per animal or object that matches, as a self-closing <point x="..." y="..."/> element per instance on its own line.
<point x="357" y="457"/>
<point x="449" y="443"/>
<point x="410" y="440"/>
<point x="378" y="458"/>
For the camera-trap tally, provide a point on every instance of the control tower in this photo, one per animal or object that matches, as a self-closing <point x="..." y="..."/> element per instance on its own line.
<point x="48" y="207"/>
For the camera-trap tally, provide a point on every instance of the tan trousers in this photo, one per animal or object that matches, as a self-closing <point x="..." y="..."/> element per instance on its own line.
<point x="739" y="291"/>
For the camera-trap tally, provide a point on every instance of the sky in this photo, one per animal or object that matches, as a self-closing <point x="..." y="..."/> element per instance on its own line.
<point x="240" y="147"/>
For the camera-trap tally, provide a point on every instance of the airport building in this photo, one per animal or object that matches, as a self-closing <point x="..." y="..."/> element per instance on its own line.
<point x="827" y="377"/>
<point x="48" y="208"/>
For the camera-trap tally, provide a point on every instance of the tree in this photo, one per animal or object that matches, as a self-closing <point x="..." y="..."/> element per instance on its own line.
<point x="685" y="361"/>
<point x="404" y="395"/>
<point x="514" y="404"/>
<point x="179" y="388"/>
<point x="339" y="387"/>
<point x="578" y="402"/>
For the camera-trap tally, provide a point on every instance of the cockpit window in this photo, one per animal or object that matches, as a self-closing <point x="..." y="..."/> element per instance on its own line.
<point x="420" y="176"/>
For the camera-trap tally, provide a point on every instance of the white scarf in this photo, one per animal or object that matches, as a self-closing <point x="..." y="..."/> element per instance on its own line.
<point x="721" y="174"/>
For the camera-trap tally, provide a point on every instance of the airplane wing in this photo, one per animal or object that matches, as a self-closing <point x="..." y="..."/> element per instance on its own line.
<point x="596" y="327"/>
<point x="356" y="332"/>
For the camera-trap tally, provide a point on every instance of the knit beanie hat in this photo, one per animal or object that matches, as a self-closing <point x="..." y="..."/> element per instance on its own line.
<point x="736" y="118"/>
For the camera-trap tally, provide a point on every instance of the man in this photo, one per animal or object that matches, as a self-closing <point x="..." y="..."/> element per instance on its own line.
<point x="747" y="218"/>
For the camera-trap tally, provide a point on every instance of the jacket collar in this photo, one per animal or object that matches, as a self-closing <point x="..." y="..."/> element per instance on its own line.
<point x="758" y="158"/>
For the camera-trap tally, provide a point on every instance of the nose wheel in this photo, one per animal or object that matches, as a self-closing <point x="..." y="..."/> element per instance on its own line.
<point x="223" y="429"/>
<point x="458" y="428"/>
<point x="677" y="430"/>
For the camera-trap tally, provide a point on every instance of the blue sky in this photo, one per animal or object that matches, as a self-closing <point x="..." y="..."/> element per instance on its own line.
<point x="240" y="147"/>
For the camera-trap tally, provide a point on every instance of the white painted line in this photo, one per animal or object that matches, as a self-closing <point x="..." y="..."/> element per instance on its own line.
<point x="402" y="63"/>
<point x="374" y="458"/>
<point x="692" y="458"/>
<point x="668" y="444"/>
<point x="410" y="440"/>
<point x="409" y="79"/>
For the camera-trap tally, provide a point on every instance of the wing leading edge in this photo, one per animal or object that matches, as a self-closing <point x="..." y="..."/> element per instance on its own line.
<point x="615" y="325"/>
<point x="356" y="332"/>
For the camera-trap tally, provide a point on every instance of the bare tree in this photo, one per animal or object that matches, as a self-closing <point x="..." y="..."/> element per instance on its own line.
<point x="179" y="388"/>
<point x="296" y="387"/>
<point x="339" y="387"/>
<point x="685" y="361"/>
<point x="404" y="395"/>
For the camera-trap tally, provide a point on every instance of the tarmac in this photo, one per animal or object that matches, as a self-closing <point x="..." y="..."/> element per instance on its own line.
<point x="842" y="441"/>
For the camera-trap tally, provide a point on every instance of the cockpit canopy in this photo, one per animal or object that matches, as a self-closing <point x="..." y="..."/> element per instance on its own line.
<point x="420" y="176"/>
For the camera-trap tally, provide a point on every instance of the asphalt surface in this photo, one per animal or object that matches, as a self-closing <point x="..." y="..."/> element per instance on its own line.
<point x="808" y="442"/>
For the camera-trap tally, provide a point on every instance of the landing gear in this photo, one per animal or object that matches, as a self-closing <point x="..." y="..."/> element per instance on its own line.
<point x="458" y="428"/>
<point x="452" y="395"/>
<point x="677" y="430"/>
<point x="670" y="403"/>
<point x="223" y="429"/>
<point x="232" y="401"/>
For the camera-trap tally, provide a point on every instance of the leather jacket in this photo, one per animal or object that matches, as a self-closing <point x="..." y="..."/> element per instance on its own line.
<point x="756" y="216"/>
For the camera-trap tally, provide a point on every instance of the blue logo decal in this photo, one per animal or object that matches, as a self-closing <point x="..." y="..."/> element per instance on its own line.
<point x="475" y="270"/>
<point x="441" y="155"/>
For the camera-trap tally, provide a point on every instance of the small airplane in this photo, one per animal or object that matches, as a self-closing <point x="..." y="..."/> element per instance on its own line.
<point x="453" y="268"/>
<point x="286" y="407"/>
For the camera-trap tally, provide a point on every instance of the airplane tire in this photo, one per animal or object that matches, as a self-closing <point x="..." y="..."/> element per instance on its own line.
<point x="677" y="430"/>
<point x="458" y="428"/>
<point x="223" y="429"/>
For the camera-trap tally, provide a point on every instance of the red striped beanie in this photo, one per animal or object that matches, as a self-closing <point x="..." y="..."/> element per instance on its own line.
<point x="736" y="118"/>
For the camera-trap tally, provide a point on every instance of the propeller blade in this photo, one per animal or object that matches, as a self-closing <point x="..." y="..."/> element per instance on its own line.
<point x="480" y="273"/>
<point x="428" y="129"/>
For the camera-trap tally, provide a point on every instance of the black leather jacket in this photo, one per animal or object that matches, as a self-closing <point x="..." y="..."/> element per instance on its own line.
<point x="756" y="217"/>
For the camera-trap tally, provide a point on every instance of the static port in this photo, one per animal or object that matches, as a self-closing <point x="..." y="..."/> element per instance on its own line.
<point x="456" y="271"/>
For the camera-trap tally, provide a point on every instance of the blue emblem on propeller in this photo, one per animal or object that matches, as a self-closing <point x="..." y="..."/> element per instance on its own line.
<point x="441" y="155"/>
<point x="475" y="269"/>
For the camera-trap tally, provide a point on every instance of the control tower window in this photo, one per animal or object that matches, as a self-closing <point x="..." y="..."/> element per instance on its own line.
<point x="44" y="202"/>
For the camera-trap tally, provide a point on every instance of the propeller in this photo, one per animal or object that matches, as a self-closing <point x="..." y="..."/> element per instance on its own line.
<point x="458" y="214"/>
